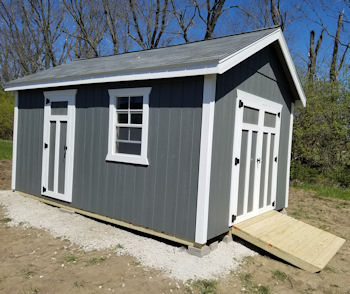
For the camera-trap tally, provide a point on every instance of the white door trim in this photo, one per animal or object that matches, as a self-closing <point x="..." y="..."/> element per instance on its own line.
<point x="266" y="106"/>
<point x="208" y="109"/>
<point x="14" y="142"/>
<point x="56" y="96"/>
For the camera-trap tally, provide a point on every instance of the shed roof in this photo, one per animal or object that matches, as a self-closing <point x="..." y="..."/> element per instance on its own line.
<point x="197" y="58"/>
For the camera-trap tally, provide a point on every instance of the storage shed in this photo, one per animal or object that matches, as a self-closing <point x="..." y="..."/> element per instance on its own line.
<point x="181" y="142"/>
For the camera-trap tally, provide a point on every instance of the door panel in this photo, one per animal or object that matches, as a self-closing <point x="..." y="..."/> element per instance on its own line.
<point x="242" y="169"/>
<point x="252" y="171"/>
<point x="254" y="167"/>
<point x="52" y="146"/>
<point x="62" y="157"/>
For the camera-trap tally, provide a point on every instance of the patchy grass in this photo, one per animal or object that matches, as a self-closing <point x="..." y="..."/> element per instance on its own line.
<point x="332" y="192"/>
<point x="278" y="275"/>
<point x="250" y="286"/>
<point x="201" y="286"/>
<point x="119" y="246"/>
<point x="71" y="258"/>
<point x="5" y="149"/>
<point x="96" y="260"/>
<point x="28" y="273"/>
<point x="6" y="220"/>
<point x="78" y="284"/>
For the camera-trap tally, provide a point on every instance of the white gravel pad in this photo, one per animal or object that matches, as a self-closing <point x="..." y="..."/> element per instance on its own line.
<point x="93" y="235"/>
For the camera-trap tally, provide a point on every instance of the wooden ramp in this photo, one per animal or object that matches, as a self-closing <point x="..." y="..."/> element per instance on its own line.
<point x="298" y="243"/>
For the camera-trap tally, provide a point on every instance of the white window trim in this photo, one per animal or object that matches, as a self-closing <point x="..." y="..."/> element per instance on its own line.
<point x="120" y="157"/>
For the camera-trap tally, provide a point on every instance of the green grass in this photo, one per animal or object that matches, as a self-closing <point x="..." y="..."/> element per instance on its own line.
<point x="5" y="149"/>
<point x="332" y="192"/>
<point x="96" y="260"/>
<point x="201" y="286"/>
<point x="247" y="281"/>
<point x="278" y="275"/>
<point x="71" y="258"/>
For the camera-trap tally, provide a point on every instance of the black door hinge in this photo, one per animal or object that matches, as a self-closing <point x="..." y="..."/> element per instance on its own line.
<point x="279" y="114"/>
<point x="236" y="161"/>
<point x="233" y="218"/>
<point x="276" y="159"/>
<point x="45" y="145"/>
<point x="44" y="189"/>
<point x="47" y="101"/>
<point x="274" y="203"/>
<point x="240" y="103"/>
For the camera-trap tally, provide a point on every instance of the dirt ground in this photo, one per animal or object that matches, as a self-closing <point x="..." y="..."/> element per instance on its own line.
<point x="32" y="261"/>
<point x="5" y="174"/>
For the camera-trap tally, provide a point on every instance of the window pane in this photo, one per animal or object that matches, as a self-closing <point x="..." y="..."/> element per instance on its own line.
<point x="135" y="134"/>
<point x="122" y="102"/>
<point x="59" y="108"/>
<point x="250" y="115"/>
<point x="270" y="120"/>
<point x="128" y="148"/>
<point x="136" y="118"/>
<point x="136" y="102"/>
<point x="122" y="118"/>
<point x="122" y="133"/>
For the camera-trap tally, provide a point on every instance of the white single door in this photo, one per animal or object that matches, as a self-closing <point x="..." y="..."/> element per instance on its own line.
<point x="58" y="144"/>
<point x="255" y="156"/>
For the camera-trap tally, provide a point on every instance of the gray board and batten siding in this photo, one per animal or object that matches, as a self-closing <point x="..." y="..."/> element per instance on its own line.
<point x="262" y="75"/>
<point x="161" y="196"/>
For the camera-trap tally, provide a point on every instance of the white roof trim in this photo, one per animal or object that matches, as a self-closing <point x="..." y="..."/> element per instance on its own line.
<point x="185" y="70"/>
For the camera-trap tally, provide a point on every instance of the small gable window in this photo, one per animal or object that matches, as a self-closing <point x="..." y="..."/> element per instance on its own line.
<point x="128" y="125"/>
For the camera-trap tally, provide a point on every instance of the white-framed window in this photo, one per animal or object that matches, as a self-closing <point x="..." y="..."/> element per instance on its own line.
<point x="128" y="125"/>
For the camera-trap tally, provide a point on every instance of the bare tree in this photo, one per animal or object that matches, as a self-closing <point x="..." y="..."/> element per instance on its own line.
<point x="213" y="12"/>
<point x="184" y="16"/>
<point x="90" y="21"/>
<point x="334" y="68"/>
<point x="313" y="52"/>
<point x="148" y="22"/>
<point x="20" y="42"/>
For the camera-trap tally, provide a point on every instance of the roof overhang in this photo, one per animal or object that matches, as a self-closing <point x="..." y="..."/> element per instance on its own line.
<point x="182" y="70"/>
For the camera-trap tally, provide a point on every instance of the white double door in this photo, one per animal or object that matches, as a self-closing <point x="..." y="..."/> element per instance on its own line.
<point x="255" y="156"/>
<point x="58" y="145"/>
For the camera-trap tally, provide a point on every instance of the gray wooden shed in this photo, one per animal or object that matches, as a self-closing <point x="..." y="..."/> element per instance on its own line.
<point x="182" y="141"/>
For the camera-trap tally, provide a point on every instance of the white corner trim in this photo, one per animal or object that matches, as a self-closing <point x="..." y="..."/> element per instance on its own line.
<point x="208" y="108"/>
<point x="289" y="154"/>
<point x="120" y="157"/>
<point x="204" y="68"/>
<point x="14" y="143"/>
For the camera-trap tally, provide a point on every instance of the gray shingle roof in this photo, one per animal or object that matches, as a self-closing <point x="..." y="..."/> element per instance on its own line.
<point x="201" y="52"/>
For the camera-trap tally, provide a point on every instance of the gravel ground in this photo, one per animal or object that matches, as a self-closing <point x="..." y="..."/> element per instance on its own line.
<point x="93" y="235"/>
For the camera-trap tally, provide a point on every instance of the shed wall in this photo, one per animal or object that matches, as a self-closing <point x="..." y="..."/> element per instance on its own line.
<point x="261" y="75"/>
<point x="161" y="196"/>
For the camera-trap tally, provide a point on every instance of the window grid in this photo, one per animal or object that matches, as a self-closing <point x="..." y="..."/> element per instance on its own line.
<point x="128" y="126"/>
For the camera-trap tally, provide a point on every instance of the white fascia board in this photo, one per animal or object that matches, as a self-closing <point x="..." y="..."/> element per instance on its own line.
<point x="180" y="71"/>
<point x="232" y="60"/>
<point x="205" y="156"/>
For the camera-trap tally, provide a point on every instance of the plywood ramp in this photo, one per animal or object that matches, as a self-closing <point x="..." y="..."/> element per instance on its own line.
<point x="298" y="243"/>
